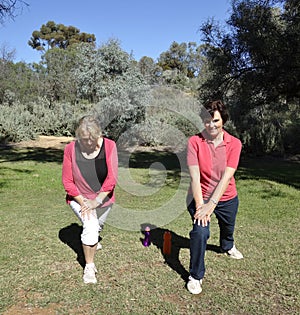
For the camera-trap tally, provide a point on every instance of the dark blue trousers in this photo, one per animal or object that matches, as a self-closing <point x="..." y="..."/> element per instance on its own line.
<point x="225" y="212"/>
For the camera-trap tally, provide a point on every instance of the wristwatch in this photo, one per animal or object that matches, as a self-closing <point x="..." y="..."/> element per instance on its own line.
<point x="99" y="200"/>
<point x="213" y="201"/>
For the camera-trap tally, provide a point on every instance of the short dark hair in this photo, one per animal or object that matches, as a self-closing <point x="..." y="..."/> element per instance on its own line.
<point x="212" y="106"/>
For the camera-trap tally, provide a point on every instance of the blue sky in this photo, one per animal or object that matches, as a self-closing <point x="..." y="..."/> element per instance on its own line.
<point x="145" y="28"/>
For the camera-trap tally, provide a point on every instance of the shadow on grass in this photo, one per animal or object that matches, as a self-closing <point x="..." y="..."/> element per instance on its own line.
<point x="70" y="235"/>
<point x="42" y="155"/>
<point x="154" y="158"/>
<point x="161" y="160"/>
<point x="141" y="159"/>
<point x="268" y="168"/>
<point x="178" y="242"/>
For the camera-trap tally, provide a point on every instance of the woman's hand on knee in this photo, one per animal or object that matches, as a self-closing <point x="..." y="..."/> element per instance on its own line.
<point x="203" y="215"/>
<point x="92" y="203"/>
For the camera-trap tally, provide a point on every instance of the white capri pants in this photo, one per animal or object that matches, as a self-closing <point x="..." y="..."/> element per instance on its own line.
<point x="92" y="225"/>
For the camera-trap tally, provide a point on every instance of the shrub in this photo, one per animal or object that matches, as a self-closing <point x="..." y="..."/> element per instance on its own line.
<point x="20" y="122"/>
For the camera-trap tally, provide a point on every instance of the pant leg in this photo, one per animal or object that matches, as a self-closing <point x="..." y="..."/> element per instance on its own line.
<point x="226" y="212"/>
<point x="198" y="242"/>
<point x="90" y="232"/>
<point x="102" y="214"/>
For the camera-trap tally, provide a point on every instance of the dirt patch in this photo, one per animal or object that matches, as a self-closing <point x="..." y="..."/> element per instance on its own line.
<point x="60" y="142"/>
<point x="45" y="142"/>
<point x="24" y="310"/>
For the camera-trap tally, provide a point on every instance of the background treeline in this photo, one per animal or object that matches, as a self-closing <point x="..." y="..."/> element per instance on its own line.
<point x="252" y="62"/>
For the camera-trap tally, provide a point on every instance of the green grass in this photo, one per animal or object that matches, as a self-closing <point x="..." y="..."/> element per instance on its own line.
<point x="40" y="272"/>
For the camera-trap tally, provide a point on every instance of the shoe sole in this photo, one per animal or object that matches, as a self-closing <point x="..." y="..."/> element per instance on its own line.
<point x="192" y="291"/>
<point x="232" y="257"/>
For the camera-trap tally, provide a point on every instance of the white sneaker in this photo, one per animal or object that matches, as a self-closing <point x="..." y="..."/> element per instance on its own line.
<point x="99" y="246"/>
<point x="194" y="286"/>
<point x="89" y="274"/>
<point x="234" y="253"/>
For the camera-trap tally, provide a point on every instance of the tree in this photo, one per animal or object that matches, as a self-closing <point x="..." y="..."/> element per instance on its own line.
<point x="182" y="57"/>
<point x="149" y="69"/>
<point x="255" y="64"/>
<point x="6" y="53"/>
<point x="6" y="57"/>
<point x="58" y="79"/>
<point x="53" y="35"/>
<point x="262" y="48"/>
<point x="10" y="9"/>
<point x="110" y="78"/>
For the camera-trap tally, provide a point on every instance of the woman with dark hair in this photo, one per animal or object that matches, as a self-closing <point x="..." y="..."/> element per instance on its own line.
<point x="212" y="158"/>
<point x="89" y="176"/>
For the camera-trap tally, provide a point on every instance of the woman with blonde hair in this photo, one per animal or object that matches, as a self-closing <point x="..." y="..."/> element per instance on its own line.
<point x="89" y="176"/>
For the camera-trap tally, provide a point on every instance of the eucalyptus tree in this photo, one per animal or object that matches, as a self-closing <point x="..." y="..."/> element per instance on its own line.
<point x="174" y="58"/>
<point x="150" y="70"/>
<point x="59" y="84"/>
<point x="255" y="64"/>
<point x="6" y="58"/>
<point x="109" y="77"/>
<point x="17" y="80"/>
<point x="184" y="57"/>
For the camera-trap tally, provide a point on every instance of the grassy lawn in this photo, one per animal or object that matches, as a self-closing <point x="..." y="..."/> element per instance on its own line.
<point x="40" y="251"/>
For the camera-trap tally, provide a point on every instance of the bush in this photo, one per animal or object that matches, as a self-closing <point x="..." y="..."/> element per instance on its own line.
<point x="16" y="124"/>
<point x="20" y="122"/>
<point x="291" y="138"/>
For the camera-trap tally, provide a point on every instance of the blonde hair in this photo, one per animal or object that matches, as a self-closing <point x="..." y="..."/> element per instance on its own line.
<point x="89" y="124"/>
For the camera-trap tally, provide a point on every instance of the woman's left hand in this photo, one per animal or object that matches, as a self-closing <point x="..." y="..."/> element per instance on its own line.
<point x="203" y="214"/>
<point x="91" y="203"/>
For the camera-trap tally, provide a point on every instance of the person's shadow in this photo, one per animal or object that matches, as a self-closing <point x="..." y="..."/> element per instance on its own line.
<point x="177" y="242"/>
<point x="70" y="235"/>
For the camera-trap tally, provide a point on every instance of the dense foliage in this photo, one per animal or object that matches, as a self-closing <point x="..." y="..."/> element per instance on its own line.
<point x="252" y="63"/>
<point x="255" y="65"/>
<point x="58" y="35"/>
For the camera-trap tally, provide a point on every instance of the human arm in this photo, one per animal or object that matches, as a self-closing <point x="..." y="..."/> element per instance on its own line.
<point x="108" y="186"/>
<point x="195" y="185"/>
<point x="204" y="212"/>
<point x="193" y="162"/>
<point x="68" y="179"/>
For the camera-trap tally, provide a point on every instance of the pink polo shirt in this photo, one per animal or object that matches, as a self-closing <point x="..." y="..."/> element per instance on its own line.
<point x="213" y="161"/>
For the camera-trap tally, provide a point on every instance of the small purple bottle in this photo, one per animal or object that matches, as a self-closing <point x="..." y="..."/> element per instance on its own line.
<point x="146" y="240"/>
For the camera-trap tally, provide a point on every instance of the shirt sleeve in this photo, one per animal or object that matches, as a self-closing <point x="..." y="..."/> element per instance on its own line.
<point x="234" y="153"/>
<point x="67" y="173"/>
<point x="192" y="152"/>
<point x="112" y="168"/>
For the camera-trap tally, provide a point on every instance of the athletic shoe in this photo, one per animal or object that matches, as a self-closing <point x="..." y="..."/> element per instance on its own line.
<point x="89" y="274"/>
<point x="99" y="246"/>
<point x="194" y="286"/>
<point x="234" y="253"/>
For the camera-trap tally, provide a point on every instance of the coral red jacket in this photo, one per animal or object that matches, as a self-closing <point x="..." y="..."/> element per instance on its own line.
<point x="75" y="184"/>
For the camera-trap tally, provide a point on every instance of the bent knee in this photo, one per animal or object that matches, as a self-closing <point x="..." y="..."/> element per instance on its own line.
<point x="199" y="232"/>
<point x="90" y="234"/>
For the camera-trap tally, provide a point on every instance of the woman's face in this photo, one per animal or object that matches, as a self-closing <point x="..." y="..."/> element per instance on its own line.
<point x="214" y="126"/>
<point x="88" y="144"/>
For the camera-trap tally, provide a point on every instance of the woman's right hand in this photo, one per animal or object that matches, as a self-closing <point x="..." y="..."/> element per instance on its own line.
<point x="85" y="210"/>
<point x="203" y="214"/>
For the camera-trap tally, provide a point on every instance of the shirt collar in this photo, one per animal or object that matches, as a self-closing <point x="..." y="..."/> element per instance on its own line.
<point x="202" y="136"/>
